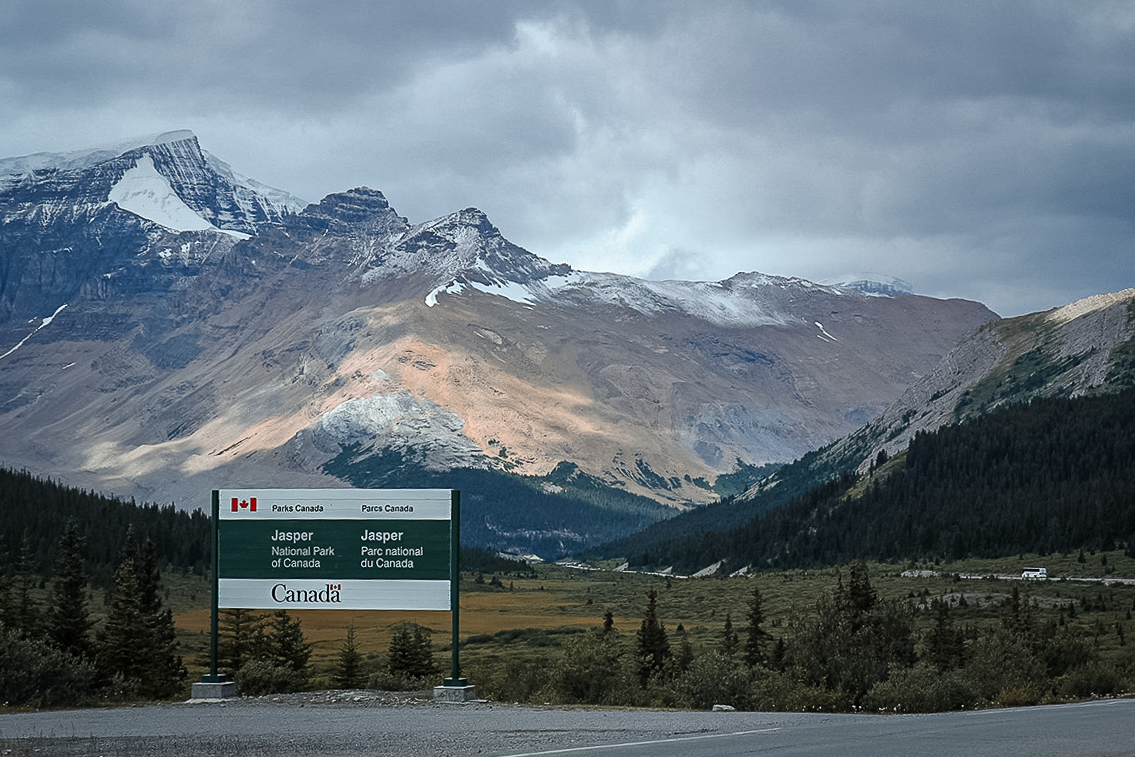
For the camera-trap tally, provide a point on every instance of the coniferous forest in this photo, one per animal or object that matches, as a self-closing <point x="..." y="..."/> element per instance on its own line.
<point x="35" y="509"/>
<point x="1052" y="475"/>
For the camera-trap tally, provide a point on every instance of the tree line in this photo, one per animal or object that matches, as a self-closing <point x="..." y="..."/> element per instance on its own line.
<point x="52" y="654"/>
<point x="853" y="651"/>
<point x="36" y="509"/>
<point x="1052" y="475"/>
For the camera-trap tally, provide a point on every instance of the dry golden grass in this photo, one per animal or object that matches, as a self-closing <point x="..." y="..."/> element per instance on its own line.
<point x="560" y="599"/>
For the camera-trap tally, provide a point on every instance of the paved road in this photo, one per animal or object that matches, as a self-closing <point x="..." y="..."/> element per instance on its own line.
<point x="262" y="728"/>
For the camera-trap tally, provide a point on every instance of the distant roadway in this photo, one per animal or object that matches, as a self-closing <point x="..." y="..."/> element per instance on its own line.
<point x="263" y="728"/>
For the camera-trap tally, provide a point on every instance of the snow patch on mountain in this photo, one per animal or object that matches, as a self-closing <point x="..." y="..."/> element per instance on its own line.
<point x="44" y="323"/>
<point x="740" y="301"/>
<point x="246" y="202"/>
<point x="276" y="199"/>
<point x="147" y="194"/>
<point x="878" y="284"/>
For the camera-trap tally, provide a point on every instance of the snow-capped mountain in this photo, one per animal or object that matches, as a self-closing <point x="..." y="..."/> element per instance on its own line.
<point x="872" y="283"/>
<point x="85" y="221"/>
<point x="160" y="178"/>
<point x="167" y="327"/>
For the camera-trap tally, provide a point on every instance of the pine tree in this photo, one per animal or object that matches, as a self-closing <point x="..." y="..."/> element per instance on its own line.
<point x="684" y="657"/>
<point x="23" y="611"/>
<point x="69" y="620"/>
<point x="945" y="646"/>
<point x="165" y="673"/>
<point x="287" y="647"/>
<point x="757" y="639"/>
<point x="653" y="644"/>
<point x="777" y="655"/>
<point x="859" y="598"/>
<point x="349" y="669"/>
<point x="410" y="654"/>
<point x="240" y="638"/>
<point x="138" y="640"/>
<point x="123" y="642"/>
<point x="729" y="640"/>
<point x="608" y="622"/>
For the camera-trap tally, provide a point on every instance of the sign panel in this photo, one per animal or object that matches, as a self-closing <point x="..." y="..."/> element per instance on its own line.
<point x="349" y="549"/>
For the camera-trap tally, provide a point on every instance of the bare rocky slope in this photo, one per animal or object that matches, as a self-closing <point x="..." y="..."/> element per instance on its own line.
<point x="143" y="358"/>
<point x="1086" y="347"/>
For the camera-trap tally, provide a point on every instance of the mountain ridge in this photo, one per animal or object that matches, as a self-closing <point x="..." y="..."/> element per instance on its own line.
<point x="1083" y="349"/>
<point x="179" y="359"/>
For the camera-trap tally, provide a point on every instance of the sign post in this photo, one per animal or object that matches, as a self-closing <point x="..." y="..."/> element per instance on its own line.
<point x="346" y="549"/>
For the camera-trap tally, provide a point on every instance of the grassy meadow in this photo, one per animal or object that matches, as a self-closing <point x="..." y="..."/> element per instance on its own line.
<point x="513" y="620"/>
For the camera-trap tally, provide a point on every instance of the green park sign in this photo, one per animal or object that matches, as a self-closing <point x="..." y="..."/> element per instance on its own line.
<point x="336" y="549"/>
<point x="347" y="549"/>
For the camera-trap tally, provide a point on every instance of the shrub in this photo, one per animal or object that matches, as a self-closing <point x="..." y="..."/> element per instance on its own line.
<point x="593" y="669"/>
<point x="920" y="689"/>
<point x="1093" y="679"/>
<point x="1002" y="669"/>
<point x="34" y="674"/>
<point x="514" y="681"/>
<point x="384" y="680"/>
<point x="1022" y="695"/>
<point x="779" y="692"/>
<point x="714" y="678"/>
<point x="259" y="677"/>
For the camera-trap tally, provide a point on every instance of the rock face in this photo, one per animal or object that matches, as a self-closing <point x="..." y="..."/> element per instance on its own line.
<point x="146" y="353"/>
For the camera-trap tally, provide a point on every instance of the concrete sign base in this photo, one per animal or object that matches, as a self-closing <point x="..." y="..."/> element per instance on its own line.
<point x="209" y="690"/>
<point x="455" y="693"/>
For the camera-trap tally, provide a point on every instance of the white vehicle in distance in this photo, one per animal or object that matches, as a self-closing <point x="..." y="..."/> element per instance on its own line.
<point x="1038" y="574"/>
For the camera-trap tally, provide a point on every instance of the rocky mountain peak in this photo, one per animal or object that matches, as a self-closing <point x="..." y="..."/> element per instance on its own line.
<point x="353" y="210"/>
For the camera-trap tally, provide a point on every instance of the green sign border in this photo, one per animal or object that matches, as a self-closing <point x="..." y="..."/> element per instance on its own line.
<point x="454" y="577"/>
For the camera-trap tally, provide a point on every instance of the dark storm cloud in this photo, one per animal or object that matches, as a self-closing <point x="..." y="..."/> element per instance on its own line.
<point x="978" y="149"/>
<point x="292" y="55"/>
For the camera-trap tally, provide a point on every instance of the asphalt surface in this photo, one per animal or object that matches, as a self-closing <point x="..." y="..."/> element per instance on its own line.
<point x="345" y="724"/>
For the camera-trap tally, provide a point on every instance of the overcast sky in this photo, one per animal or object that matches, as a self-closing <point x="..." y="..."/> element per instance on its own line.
<point x="975" y="149"/>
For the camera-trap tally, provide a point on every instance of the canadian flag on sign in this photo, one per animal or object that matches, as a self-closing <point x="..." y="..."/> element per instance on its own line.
<point x="244" y="504"/>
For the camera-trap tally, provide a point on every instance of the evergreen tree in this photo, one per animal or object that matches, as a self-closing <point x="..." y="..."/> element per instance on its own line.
<point x="165" y="672"/>
<point x="852" y="641"/>
<point x="69" y="620"/>
<point x="138" y="641"/>
<point x="240" y="639"/>
<point x="5" y="588"/>
<point x="684" y="657"/>
<point x="653" y="644"/>
<point x="410" y="654"/>
<point x="777" y="655"/>
<point x="349" y="668"/>
<point x="729" y="640"/>
<point x="123" y="642"/>
<point x="608" y="622"/>
<point x="1018" y="616"/>
<point x="757" y="638"/>
<point x="287" y="647"/>
<point x="858" y="599"/>
<point x="23" y="611"/>
<point x="945" y="646"/>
